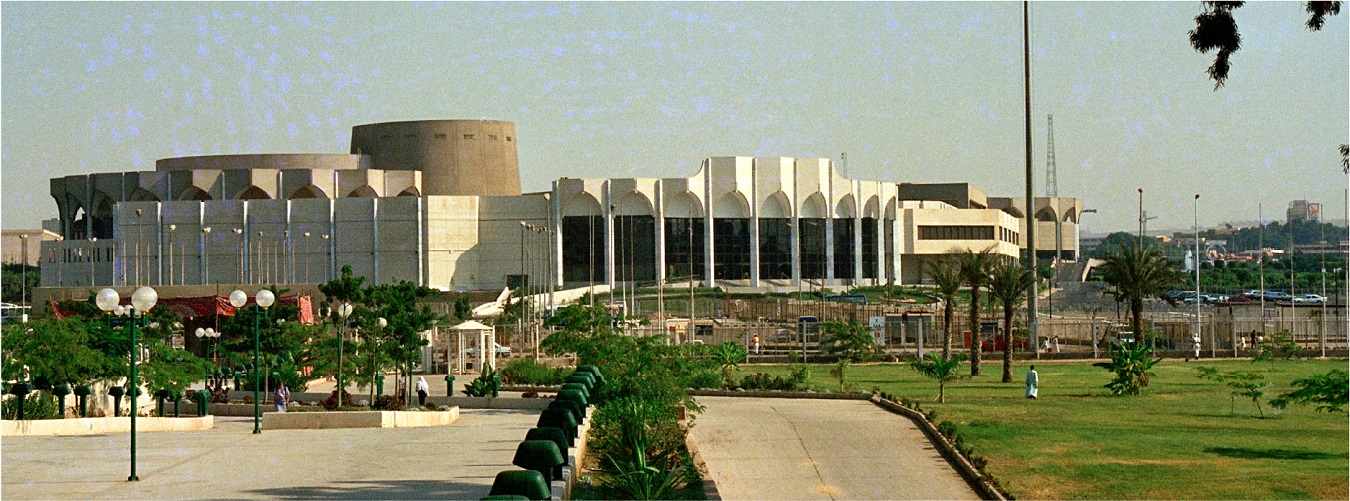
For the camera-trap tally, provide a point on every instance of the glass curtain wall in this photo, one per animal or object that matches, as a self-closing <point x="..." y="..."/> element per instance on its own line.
<point x="775" y="248"/>
<point x="684" y="248"/>
<point x="843" y="248"/>
<point x="869" y="247"/>
<point x="812" y="234"/>
<point x="583" y="242"/>
<point x="731" y="248"/>
<point x="635" y="249"/>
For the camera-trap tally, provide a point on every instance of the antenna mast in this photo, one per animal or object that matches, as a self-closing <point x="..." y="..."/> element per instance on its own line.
<point x="1051" y="183"/>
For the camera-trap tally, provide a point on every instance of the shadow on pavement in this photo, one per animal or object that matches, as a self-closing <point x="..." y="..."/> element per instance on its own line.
<point x="380" y="489"/>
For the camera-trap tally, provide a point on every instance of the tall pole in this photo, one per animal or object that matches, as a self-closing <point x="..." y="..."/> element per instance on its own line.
<point x="1141" y="216"/>
<point x="1196" y="222"/>
<point x="1032" y="323"/>
<point x="257" y="410"/>
<point x="1322" y="338"/>
<point x="520" y="288"/>
<point x="342" y="335"/>
<point x="1261" y="266"/>
<point x="134" y="389"/>
<point x="23" y="287"/>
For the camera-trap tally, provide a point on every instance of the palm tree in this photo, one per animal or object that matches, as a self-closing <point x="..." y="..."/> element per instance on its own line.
<point x="975" y="271"/>
<point x="939" y="368"/>
<point x="946" y="274"/>
<point x="1345" y="158"/>
<point x="1008" y="284"/>
<point x="1134" y="273"/>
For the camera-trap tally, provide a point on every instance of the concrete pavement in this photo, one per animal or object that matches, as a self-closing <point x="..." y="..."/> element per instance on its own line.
<point x="777" y="448"/>
<point x="229" y="462"/>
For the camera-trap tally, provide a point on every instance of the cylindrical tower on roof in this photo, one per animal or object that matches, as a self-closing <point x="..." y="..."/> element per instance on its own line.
<point x="456" y="157"/>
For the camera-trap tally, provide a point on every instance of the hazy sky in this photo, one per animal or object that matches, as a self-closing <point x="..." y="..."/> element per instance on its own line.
<point x="915" y="92"/>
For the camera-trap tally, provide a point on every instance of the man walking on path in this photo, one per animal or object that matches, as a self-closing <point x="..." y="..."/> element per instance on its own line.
<point x="1033" y="380"/>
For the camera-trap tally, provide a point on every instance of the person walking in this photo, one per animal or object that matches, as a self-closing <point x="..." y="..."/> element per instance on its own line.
<point x="1033" y="381"/>
<point x="756" y="344"/>
<point x="1195" y="343"/>
<point x="281" y="397"/>
<point x="1054" y="343"/>
<point x="422" y="390"/>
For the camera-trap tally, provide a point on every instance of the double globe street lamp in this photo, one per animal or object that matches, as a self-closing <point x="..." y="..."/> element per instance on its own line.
<point x="344" y="310"/>
<point x="141" y="302"/>
<point x="264" y="300"/>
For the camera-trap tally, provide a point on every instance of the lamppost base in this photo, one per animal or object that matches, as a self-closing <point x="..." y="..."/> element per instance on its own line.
<point x="257" y="432"/>
<point x="133" y="478"/>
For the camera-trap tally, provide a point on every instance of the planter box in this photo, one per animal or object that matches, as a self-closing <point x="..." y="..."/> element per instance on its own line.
<point x="102" y="426"/>
<point x="357" y="419"/>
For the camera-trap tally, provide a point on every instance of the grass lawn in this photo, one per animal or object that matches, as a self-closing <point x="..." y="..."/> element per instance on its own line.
<point x="1181" y="439"/>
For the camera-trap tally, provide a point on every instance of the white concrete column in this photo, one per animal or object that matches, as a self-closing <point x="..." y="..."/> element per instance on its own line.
<point x="708" y="237"/>
<point x="659" y="206"/>
<point x="796" y="233"/>
<point x="857" y="247"/>
<point x="754" y="249"/>
<point x="829" y="246"/>
<point x="556" y="224"/>
<point x="880" y="263"/>
<point x="609" y="235"/>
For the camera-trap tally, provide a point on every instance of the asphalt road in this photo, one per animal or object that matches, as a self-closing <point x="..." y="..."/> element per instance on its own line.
<point x="777" y="448"/>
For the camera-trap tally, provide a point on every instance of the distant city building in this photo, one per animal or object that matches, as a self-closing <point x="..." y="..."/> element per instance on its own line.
<point x="25" y="244"/>
<point x="1303" y="210"/>
<point x="439" y="203"/>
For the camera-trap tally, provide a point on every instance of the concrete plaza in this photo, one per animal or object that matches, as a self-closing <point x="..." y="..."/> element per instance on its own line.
<point x="778" y="448"/>
<point x="229" y="462"/>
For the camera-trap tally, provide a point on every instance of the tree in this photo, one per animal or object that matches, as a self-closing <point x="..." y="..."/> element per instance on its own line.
<point x="1216" y="30"/>
<point x="1131" y="364"/>
<point x="56" y="351"/>
<point x="840" y="372"/>
<point x="1330" y="392"/>
<point x="944" y="370"/>
<point x="851" y="338"/>
<point x="946" y="274"/>
<point x="1244" y="384"/>
<point x="1134" y="273"/>
<point x="1008" y="284"/>
<point x="975" y="271"/>
<point x="1345" y="158"/>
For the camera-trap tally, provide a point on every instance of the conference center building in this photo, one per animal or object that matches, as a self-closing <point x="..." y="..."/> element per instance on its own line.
<point x="439" y="203"/>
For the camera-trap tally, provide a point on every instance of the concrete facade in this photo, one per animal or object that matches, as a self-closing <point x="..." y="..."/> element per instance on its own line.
<point x="438" y="203"/>
<point x="22" y="246"/>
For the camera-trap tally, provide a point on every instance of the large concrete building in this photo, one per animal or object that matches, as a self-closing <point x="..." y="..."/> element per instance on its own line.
<point x="439" y="203"/>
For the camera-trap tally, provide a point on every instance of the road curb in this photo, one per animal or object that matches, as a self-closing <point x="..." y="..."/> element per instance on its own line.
<point x="979" y="481"/>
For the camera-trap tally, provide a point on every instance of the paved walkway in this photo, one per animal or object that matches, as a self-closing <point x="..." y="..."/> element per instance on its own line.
<point x="229" y="462"/>
<point x="777" y="448"/>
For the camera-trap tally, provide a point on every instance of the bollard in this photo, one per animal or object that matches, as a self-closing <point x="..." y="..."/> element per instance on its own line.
<point x="574" y="407"/>
<point x="61" y="390"/>
<point x="379" y="384"/>
<point x="177" y="397"/>
<point x="542" y="456"/>
<point x="591" y="369"/>
<point x="555" y="435"/>
<point x="82" y="392"/>
<point x="496" y="385"/>
<point x="574" y="395"/>
<point x="160" y="395"/>
<point x="528" y="483"/>
<point x="449" y="386"/>
<point x="203" y="400"/>
<point x="585" y="392"/>
<point x="20" y="391"/>
<point x="116" y="392"/>
<point x="561" y="419"/>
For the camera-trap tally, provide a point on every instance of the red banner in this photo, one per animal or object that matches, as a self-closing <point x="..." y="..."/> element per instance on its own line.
<point x="205" y="306"/>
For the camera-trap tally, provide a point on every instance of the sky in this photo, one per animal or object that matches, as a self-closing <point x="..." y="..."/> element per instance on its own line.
<point x="911" y="91"/>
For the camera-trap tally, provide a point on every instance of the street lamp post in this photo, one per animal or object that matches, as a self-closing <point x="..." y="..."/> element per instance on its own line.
<point x="206" y="260"/>
<point x="343" y="311"/>
<point x="90" y="257"/>
<point x="1196" y="223"/>
<point x="23" y="287"/>
<point x="143" y="300"/>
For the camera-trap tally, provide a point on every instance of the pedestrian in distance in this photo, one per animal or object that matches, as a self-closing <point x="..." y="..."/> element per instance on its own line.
<point x="1195" y="343"/>
<point x="1033" y="381"/>
<point x="281" y="397"/>
<point x="756" y="344"/>
<point x="1054" y="343"/>
<point x="422" y="390"/>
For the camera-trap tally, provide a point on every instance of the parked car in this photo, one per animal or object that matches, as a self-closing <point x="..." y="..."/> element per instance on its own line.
<point x="1178" y="295"/>
<point x="1310" y="298"/>
<point x="1237" y="299"/>
<point x="1277" y="296"/>
<point x="1253" y="294"/>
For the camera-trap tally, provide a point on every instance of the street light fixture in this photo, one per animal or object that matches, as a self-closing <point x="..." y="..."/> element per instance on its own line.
<point x="142" y="300"/>
<point x="206" y="259"/>
<point x="344" y="310"/>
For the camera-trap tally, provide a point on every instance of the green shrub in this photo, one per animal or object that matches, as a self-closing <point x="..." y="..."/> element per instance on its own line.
<point x="38" y="405"/>
<point x="480" y="386"/>
<point x="331" y="403"/>
<point x="526" y="371"/>
<point x="705" y="379"/>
